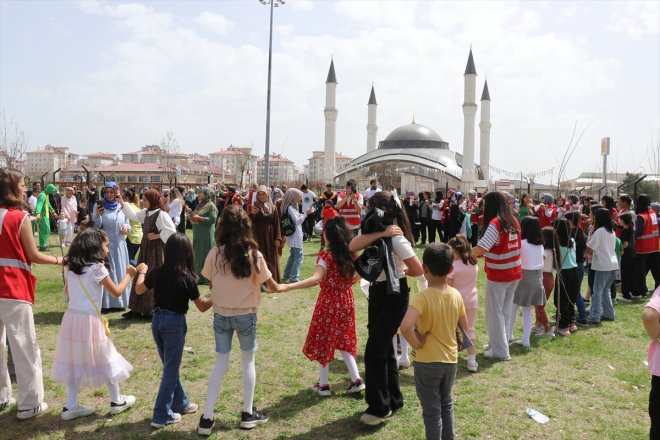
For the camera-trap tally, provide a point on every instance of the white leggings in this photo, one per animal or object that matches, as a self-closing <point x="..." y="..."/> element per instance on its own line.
<point x="215" y="381"/>
<point x="72" y="390"/>
<point x="349" y="360"/>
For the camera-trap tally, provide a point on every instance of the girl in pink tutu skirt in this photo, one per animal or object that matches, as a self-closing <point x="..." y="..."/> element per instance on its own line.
<point x="84" y="354"/>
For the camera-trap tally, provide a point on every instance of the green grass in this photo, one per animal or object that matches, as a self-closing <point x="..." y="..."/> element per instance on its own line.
<point x="592" y="385"/>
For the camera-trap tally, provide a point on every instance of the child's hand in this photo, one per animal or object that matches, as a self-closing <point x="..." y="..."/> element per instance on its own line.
<point x="131" y="271"/>
<point x="392" y="231"/>
<point x="422" y="338"/>
<point x="142" y="267"/>
<point x="282" y="288"/>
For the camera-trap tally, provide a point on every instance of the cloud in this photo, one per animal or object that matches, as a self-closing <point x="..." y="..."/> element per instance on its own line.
<point x="636" y="18"/>
<point x="301" y="5"/>
<point x="215" y="23"/>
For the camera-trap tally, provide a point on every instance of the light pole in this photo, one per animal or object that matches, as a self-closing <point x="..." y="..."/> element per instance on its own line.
<point x="273" y="4"/>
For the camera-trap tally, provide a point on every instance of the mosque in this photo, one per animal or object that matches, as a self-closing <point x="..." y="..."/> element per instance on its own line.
<point x="414" y="157"/>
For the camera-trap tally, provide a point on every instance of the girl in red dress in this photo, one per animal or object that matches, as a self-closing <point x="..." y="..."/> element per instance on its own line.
<point x="333" y="323"/>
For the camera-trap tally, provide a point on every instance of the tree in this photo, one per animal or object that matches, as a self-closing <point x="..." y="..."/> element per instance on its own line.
<point x="13" y="142"/>
<point x="169" y="149"/>
<point x="244" y="160"/>
<point x="644" y="187"/>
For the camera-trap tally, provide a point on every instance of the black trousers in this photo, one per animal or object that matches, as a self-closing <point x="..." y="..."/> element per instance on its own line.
<point x="381" y="375"/>
<point x="566" y="289"/>
<point x="308" y="226"/>
<point x="437" y="227"/>
<point x="627" y="274"/>
<point x="423" y="226"/>
<point x="654" y="407"/>
<point x="475" y="234"/>
<point x="645" y="263"/>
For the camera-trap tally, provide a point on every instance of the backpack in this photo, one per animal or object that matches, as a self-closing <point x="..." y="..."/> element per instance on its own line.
<point x="287" y="226"/>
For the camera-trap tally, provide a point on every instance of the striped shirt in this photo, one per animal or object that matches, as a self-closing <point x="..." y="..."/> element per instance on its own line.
<point x="490" y="238"/>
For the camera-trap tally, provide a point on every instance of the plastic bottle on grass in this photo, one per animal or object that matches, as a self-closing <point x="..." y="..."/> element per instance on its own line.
<point x="537" y="416"/>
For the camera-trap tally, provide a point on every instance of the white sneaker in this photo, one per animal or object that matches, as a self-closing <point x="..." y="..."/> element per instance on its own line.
<point x="176" y="418"/>
<point x="7" y="404"/>
<point x="371" y="420"/>
<point x="472" y="366"/>
<point x="127" y="402"/>
<point x="490" y="355"/>
<point x="538" y="330"/>
<point x="623" y="300"/>
<point x="520" y="342"/>
<point x="34" y="412"/>
<point x="77" y="411"/>
<point x="322" y="390"/>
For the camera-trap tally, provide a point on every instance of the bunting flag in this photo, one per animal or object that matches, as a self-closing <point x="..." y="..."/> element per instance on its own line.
<point x="521" y="175"/>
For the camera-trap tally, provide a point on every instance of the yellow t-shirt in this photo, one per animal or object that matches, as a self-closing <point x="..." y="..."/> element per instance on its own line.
<point x="439" y="311"/>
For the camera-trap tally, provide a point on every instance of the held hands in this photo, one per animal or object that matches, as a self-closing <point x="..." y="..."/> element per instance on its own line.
<point x="131" y="271"/>
<point x="142" y="268"/>
<point x="392" y="231"/>
<point x="280" y="288"/>
<point x="153" y="236"/>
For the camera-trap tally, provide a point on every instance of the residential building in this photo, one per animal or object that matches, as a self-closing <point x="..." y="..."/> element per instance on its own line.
<point x="314" y="169"/>
<point x="240" y="162"/>
<point x="97" y="159"/>
<point x="281" y="170"/>
<point x="48" y="160"/>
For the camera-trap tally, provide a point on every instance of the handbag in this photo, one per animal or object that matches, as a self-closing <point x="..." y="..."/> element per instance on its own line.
<point x="106" y="324"/>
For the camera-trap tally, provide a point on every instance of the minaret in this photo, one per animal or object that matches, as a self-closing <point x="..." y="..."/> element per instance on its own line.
<point x="469" y="113"/>
<point x="330" y="113"/>
<point x="372" y="128"/>
<point x="484" y="139"/>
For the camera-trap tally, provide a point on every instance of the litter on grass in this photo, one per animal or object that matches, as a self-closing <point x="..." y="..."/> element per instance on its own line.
<point x="610" y="367"/>
<point x="537" y="416"/>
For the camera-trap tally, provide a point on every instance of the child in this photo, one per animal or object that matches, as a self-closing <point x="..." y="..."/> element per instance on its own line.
<point x="333" y="323"/>
<point x="573" y="218"/>
<point x="551" y="255"/>
<point x="566" y="286"/>
<point x="627" y="237"/>
<point x="236" y="270"/>
<point x="529" y="291"/>
<point x="430" y="327"/>
<point x="84" y="354"/>
<point x="464" y="278"/>
<point x="62" y="228"/>
<point x="292" y="198"/>
<point x="327" y="213"/>
<point x="601" y="246"/>
<point x="651" y="319"/>
<point x="85" y="224"/>
<point x="174" y="284"/>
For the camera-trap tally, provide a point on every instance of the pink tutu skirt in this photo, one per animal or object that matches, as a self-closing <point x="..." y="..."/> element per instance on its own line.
<point x="85" y="356"/>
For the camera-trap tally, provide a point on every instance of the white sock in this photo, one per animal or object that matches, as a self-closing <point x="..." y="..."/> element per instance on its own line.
<point x="527" y="324"/>
<point x="113" y="390"/>
<point x="71" y="395"/>
<point x="324" y="373"/>
<point x="404" y="348"/>
<point x="249" y="379"/>
<point x="215" y="383"/>
<point x="349" y="360"/>
<point x="472" y="357"/>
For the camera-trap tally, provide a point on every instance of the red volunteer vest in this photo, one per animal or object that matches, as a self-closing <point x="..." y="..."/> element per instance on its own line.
<point x="351" y="213"/>
<point x="503" y="261"/>
<point x="16" y="280"/>
<point x="648" y="242"/>
<point x="545" y="220"/>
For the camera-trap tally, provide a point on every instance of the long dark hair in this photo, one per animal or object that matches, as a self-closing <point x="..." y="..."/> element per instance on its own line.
<point x="385" y="201"/>
<point x="551" y="242"/>
<point x="530" y="228"/>
<point x="234" y="232"/>
<point x="179" y="256"/>
<point x="86" y="249"/>
<point x="642" y="204"/>
<point x="339" y="237"/>
<point x="563" y="232"/>
<point x="574" y="218"/>
<point x="10" y="178"/>
<point x="496" y="206"/>
<point x="603" y="219"/>
<point x="461" y="245"/>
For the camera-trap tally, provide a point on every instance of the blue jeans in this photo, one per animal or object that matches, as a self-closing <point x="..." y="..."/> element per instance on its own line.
<point x="433" y="383"/>
<point x="601" y="292"/>
<point x="579" y="299"/>
<point x="245" y="327"/>
<point x="293" y="263"/>
<point x="169" y="331"/>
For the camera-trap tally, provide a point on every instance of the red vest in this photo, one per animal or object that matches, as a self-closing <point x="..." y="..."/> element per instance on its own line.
<point x="648" y="242"/>
<point x="350" y="213"/>
<point x="503" y="261"/>
<point x="16" y="280"/>
<point x="545" y="220"/>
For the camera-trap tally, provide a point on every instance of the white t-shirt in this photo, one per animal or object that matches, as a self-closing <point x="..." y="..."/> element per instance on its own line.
<point x="602" y="243"/>
<point x="32" y="203"/>
<point x="91" y="279"/>
<point x="295" y="240"/>
<point x="532" y="256"/>
<point x="436" y="213"/>
<point x="548" y="256"/>
<point x="402" y="251"/>
<point x="175" y="211"/>
<point x="62" y="225"/>
<point x="307" y="200"/>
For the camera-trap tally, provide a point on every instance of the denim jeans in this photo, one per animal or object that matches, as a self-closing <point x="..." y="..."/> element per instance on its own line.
<point x="293" y="263"/>
<point x="433" y="383"/>
<point x="245" y="327"/>
<point x="579" y="299"/>
<point x="169" y="331"/>
<point x="601" y="293"/>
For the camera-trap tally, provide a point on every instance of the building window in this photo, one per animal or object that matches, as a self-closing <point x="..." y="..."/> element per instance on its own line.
<point x="133" y="179"/>
<point x="155" y="179"/>
<point x="144" y="179"/>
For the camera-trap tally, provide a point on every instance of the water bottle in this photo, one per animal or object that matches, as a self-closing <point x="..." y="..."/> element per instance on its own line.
<point x="537" y="416"/>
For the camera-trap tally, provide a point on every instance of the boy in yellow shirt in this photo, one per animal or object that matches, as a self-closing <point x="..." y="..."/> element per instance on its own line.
<point x="430" y="328"/>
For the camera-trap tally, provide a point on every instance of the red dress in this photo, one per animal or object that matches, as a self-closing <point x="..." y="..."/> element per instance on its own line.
<point x="333" y="323"/>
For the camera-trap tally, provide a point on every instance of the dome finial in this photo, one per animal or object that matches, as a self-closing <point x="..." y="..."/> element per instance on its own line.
<point x="414" y="119"/>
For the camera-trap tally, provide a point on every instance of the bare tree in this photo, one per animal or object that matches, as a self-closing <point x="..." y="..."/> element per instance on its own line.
<point x="243" y="162"/>
<point x="13" y="142"/>
<point x="568" y="153"/>
<point x="169" y="150"/>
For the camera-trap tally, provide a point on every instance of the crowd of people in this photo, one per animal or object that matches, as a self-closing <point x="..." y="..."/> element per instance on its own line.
<point x="131" y="252"/>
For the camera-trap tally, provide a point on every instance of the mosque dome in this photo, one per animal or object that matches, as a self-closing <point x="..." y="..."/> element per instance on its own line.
<point x="413" y="136"/>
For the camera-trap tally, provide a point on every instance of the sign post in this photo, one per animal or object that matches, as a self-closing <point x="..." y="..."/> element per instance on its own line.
<point x="605" y="151"/>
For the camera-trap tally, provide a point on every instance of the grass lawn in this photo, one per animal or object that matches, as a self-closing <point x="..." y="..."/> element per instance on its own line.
<point x="593" y="384"/>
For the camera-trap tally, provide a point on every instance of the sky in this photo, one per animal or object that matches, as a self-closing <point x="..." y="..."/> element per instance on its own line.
<point x="115" y="76"/>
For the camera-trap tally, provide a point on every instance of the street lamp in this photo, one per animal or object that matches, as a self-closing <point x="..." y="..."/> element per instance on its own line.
<point x="273" y="4"/>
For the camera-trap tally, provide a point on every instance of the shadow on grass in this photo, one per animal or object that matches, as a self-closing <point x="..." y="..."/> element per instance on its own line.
<point x="348" y="427"/>
<point x="290" y="406"/>
<point x="48" y="318"/>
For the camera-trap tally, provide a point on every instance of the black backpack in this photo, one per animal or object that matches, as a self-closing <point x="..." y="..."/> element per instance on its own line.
<point x="287" y="226"/>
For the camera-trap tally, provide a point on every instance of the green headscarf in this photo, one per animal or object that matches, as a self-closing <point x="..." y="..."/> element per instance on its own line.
<point x="205" y="205"/>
